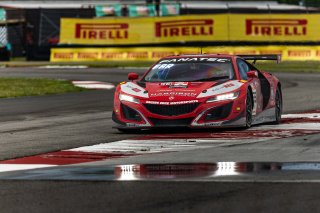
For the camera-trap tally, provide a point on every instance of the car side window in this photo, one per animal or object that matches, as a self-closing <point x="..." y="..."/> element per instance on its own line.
<point x="251" y="67"/>
<point x="243" y="68"/>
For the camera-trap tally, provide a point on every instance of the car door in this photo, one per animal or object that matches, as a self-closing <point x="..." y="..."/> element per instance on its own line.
<point x="243" y="68"/>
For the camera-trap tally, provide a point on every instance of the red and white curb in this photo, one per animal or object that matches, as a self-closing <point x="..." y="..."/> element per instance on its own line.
<point x="93" y="84"/>
<point x="292" y="125"/>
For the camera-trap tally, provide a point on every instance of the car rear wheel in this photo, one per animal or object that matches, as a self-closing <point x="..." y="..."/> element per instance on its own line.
<point x="249" y="107"/>
<point x="278" y="106"/>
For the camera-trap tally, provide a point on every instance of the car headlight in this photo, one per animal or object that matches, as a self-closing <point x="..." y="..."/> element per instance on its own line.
<point x="223" y="97"/>
<point x="123" y="97"/>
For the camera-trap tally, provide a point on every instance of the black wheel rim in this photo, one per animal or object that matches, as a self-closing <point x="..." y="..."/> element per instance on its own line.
<point x="249" y="110"/>
<point x="278" y="106"/>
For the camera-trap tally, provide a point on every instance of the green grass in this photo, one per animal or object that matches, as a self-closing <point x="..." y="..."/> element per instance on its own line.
<point x="18" y="87"/>
<point x="290" y="66"/>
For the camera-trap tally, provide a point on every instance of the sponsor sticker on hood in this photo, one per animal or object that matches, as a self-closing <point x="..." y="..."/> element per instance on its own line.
<point x="134" y="89"/>
<point x="175" y="84"/>
<point x="222" y="88"/>
<point x="181" y="94"/>
<point x="172" y="103"/>
<point x="195" y="59"/>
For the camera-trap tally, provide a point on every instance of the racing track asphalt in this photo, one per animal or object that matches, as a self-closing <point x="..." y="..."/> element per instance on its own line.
<point x="34" y="125"/>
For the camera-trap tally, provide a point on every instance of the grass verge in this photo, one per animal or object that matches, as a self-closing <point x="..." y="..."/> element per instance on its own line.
<point x="290" y="66"/>
<point x="18" y="87"/>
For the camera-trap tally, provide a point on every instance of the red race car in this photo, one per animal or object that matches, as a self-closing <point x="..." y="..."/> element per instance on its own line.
<point x="199" y="91"/>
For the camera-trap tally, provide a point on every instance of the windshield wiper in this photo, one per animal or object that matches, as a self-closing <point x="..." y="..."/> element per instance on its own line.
<point x="213" y="78"/>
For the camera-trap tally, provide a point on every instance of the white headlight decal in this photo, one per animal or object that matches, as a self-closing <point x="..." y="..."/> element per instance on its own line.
<point x="222" y="88"/>
<point x="134" y="89"/>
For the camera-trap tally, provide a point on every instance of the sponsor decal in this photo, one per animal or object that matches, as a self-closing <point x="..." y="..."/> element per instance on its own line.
<point x="276" y="27"/>
<point x="175" y="84"/>
<point x="226" y="85"/>
<point x="63" y="55"/>
<point x="105" y="31"/>
<point x="88" y="55"/>
<point x="195" y="59"/>
<point x="230" y="86"/>
<point x="299" y="53"/>
<point x="136" y="89"/>
<point x="162" y="66"/>
<point x="188" y="27"/>
<point x="133" y="89"/>
<point x="157" y="54"/>
<point x="137" y="125"/>
<point x="130" y="86"/>
<point x="171" y="103"/>
<point x="183" y="94"/>
<point x="213" y="124"/>
<point x="137" y="55"/>
<point x="105" y="55"/>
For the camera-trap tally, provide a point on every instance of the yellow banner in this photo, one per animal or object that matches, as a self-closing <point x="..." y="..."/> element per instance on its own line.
<point x="191" y="28"/>
<point x="278" y="28"/>
<point x="143" y="30"/>
<point x="288" y="53"/>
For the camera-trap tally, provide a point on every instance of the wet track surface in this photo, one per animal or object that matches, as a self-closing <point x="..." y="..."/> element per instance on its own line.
<point x="38" y="125"/>
<point x="218" y="171"/>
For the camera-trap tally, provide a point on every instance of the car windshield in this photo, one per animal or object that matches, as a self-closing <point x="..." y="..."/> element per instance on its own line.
<point x="190" y="69"/>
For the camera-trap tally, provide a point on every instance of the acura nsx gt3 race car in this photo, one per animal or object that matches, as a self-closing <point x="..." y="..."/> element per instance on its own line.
<point x="199" y="91"/>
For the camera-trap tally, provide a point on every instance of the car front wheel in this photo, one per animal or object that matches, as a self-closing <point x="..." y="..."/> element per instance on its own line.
<point x="278" y="106"/>
<point x="249" y="107"/>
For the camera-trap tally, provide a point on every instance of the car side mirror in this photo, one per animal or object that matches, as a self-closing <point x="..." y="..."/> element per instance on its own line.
<point x="252" y="74"/>
<point x="133" y="76"/>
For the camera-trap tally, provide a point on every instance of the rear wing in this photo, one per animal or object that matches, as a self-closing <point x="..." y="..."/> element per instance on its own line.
<point x="261" y="57"/>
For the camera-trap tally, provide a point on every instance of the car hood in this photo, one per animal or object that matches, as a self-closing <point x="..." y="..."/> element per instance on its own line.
<point x="172" y="91"/>
<point x="179" y="91"/>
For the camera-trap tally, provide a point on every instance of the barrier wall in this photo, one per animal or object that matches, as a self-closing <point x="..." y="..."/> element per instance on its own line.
<point x="191" y="28"/>
<point x="154" y="53"/>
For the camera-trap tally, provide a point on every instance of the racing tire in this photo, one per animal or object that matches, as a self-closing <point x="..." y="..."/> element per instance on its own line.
<point x="278" y="107"/>
<point x="249" y="107"/>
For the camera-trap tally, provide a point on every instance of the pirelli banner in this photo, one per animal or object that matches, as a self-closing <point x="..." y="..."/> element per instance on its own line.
<point x="190" y="28"/>
<point x="293" y="53"/>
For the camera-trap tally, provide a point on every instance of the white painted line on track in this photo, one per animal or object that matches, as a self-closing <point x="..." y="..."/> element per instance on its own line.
<point x="167" y="145"/>
<point x="304" y="115"/>
<point x="290" y="126"/>
<point x="93" y="84"/>
<point x="16" y="167"/>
